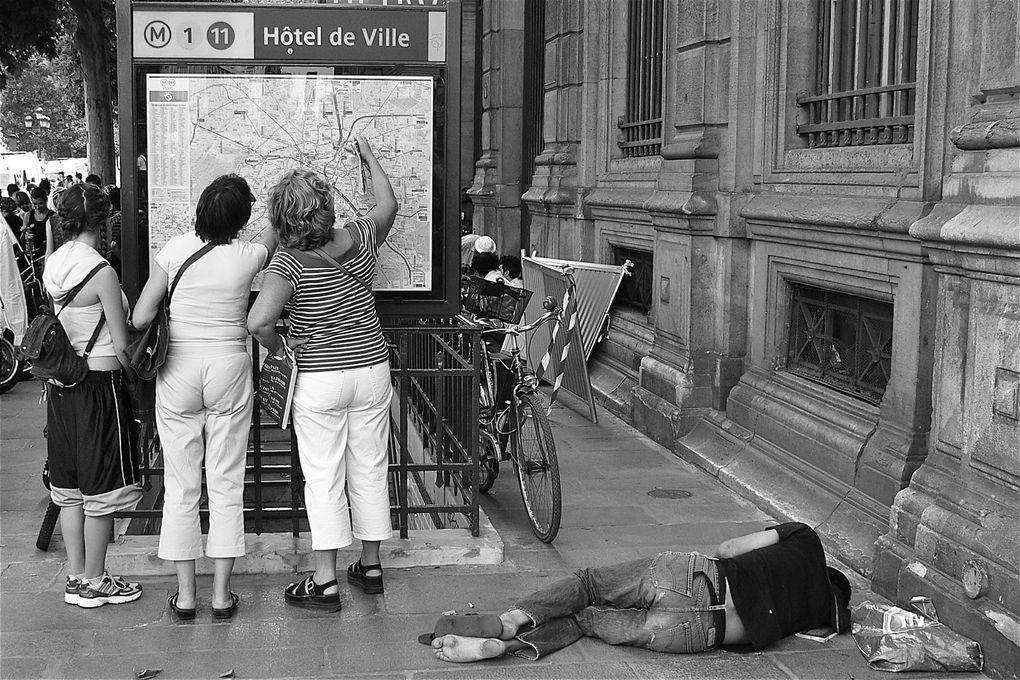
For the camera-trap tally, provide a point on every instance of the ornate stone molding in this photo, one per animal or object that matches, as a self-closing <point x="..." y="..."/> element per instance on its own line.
<point x="996" y="134"/>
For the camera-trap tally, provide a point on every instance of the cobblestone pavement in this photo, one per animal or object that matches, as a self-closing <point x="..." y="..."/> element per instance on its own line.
<point x="611" y="511"/>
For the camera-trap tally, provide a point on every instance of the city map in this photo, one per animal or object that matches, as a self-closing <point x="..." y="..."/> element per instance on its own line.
<point x="259" y="127"/>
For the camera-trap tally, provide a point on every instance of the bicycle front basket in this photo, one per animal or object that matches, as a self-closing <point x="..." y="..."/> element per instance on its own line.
<point x="494" y="299"/>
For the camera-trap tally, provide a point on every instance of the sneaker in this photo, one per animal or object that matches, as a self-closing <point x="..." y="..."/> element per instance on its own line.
<point x="71" y="590"/>
<point x="111" y="590"/>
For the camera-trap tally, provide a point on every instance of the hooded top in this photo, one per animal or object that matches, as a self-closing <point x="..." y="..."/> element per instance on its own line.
<point x="65" y="269"/>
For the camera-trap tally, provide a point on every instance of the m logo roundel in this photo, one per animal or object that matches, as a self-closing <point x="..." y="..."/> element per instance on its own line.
<point x="157" y="34"/>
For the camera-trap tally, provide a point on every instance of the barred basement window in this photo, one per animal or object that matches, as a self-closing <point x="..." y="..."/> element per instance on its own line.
<point x="641" y="124"/>
<point x="635" y="290"/>
<point x="865" y="72"/>
<point x="840" y="340"/>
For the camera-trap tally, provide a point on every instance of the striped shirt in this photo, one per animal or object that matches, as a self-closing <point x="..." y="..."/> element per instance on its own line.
<point x="332" y="309"/>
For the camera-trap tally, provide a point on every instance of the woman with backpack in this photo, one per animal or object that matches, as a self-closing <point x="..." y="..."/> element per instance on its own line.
<point x="204" y="390"/>
<point x="92" y="453"/>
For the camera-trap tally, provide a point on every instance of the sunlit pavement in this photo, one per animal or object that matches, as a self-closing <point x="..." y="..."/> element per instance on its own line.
<point x="623" y="497"/>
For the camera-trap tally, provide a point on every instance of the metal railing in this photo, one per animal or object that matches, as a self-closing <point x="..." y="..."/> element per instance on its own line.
<point x="433" y="445"/>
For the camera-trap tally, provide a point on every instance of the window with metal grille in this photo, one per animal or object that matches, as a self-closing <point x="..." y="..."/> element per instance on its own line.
<point x="841" y="340"/>
<point x="641" y="123"/>
<point x="865" y="72"/>
<point x="635" y="290"/>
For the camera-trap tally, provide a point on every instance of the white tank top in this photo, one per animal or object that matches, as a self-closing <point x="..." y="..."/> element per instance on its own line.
<point x="79" y="322"/>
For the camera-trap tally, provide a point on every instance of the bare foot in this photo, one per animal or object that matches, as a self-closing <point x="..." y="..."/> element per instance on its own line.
<point x="459" y="649"/>
<point x="513" y="620"/>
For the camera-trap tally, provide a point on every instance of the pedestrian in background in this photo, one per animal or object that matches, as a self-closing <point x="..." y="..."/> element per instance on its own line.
<point x="204" y="390"/>
<point x="92" y="451"/>
<point x="322" y="276"/>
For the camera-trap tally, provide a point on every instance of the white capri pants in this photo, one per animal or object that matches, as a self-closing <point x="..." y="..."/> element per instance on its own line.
<point x="342" y="424"/>
<point x="203" y="412"/>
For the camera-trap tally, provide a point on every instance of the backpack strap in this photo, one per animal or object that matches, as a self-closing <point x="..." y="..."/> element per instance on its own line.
<point x="77" y="289"/>
<point x="337" y="265"/>
<point x="95" y="336"/>
<point x="187" y="263"/>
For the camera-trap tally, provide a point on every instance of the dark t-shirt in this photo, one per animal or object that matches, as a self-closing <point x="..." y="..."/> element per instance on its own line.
<point x="780" y="589"/>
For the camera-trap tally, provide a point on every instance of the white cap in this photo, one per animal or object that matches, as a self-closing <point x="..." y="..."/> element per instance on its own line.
<point x="485" y="244"/>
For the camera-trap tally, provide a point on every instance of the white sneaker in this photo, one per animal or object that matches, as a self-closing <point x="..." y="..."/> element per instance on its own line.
<point x="71" y="587"/>
<point x="111" y="590"/>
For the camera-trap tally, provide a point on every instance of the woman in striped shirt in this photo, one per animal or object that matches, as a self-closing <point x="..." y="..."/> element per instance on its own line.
<point x="322" y="276"/>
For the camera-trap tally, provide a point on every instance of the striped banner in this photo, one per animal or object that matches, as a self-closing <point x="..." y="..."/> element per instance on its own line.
<point x="568" y="318"/>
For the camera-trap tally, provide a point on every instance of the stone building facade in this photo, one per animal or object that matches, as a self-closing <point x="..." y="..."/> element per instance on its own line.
<point x="829" y="311"/>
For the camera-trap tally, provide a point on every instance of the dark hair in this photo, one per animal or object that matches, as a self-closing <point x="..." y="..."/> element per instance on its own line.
<point x="511" y="264"/>
<point x="83" y="207"/>
<point x="6" y="204"/>
<point x="94" y="179"/>
<point x="21" y="198"/>
<point x="39" y="195"/>
<point x="223" y="209"/>
<point x="113" y="191"/>
<point x="483" y="263"/>
<point x="12" y="189"/>
<point x="44" y="185"/>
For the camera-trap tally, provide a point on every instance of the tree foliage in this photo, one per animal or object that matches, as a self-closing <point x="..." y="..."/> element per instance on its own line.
<point x="28" y="28"/>
<point x="55" y="86"/>
<point x="37" y="32"/>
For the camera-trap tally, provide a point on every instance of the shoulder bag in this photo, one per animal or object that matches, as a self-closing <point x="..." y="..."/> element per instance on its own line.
<point x="148" y="352"/>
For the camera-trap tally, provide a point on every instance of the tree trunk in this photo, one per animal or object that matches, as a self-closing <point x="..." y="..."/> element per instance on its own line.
<point x="90" y="37"/>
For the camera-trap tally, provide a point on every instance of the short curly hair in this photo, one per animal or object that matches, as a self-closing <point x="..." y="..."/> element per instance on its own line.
<point x="84" y="207"/>
<point x="301" y="210"/>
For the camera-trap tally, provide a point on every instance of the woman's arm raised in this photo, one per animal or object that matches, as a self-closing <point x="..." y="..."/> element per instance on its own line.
<point x="385" y="209"/>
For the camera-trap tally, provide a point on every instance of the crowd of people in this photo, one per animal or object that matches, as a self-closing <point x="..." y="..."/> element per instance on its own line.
<point x="316" y="272"/>
<point x="755" y="590"/>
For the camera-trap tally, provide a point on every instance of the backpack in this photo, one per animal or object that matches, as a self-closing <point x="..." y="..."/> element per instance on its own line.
<point x="48" y="348"/>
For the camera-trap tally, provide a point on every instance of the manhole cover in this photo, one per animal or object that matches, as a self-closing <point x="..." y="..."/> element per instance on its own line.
<point x="674" y="494"/>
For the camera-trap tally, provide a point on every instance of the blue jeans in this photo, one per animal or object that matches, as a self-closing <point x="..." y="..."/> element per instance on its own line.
<point x="673" y="602"/>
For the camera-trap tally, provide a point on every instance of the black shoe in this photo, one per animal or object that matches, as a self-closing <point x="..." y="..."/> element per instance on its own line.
<point x="311" y="596"/>
<point x="226" y="612"/>
<point x="182" y="613"/>
<point x="373" y="585"/>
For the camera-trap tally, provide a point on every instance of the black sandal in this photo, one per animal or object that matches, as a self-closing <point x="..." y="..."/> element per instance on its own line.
<point x="309" y="595"/>
<point x="181" y="613"/>
<point x="372" y="585"/>
<point x="224" y="613"/>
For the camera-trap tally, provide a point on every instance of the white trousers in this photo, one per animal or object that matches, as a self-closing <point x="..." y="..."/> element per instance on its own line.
<point x="203" y="413"/>
<point x="342" y="423"/>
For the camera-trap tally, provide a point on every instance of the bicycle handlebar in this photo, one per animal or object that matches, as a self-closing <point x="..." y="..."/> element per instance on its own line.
<point x="491" y="326"/>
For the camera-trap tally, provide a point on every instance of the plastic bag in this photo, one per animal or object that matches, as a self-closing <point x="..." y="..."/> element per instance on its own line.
<point x="895" y="640"/>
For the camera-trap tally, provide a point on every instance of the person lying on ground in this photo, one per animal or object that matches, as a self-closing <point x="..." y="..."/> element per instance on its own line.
<point x="758" y="589"/>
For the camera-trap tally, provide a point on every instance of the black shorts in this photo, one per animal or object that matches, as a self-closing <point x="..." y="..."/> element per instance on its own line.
<point x="92" y="444"/>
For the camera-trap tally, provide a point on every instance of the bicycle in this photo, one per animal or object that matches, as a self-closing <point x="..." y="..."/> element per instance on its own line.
<point x="513" y="426"/>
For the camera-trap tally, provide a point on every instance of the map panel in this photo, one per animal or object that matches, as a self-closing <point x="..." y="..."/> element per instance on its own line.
<point x="259" y="127"/>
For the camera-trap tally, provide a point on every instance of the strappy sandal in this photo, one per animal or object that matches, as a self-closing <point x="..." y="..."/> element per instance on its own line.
<point x="356" y="574"/>
<point x="309" y="595"/>
<point x="181" y="613"/>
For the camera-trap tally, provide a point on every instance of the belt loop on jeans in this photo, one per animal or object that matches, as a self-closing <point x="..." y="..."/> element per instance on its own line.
<point x="719" y="599"/>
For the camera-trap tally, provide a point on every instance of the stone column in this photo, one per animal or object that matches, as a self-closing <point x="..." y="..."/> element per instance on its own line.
<point x="557" y="226"/>
<point x="700" y="247"/>
<point x="496" y="192"/>
<point x="954" y="532"/>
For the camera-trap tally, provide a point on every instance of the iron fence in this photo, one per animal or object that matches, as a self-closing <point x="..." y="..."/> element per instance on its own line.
<point x="433" y="443"/>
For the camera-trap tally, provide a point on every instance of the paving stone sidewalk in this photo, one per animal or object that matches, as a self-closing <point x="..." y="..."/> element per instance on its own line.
<point x="623" y="496"/>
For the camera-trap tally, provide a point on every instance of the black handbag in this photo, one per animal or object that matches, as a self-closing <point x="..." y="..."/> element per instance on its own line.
<point x="148" y="352"/>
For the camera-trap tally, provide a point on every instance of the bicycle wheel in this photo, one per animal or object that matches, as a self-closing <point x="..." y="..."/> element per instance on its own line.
<point x="538" y="471"/>
<point x="10" y="366"/>
<point x="488" y="463"/>
<point x="42" y="542"/>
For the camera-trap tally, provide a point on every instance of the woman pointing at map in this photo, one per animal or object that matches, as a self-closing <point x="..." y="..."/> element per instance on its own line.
<point x="323" y="276"/>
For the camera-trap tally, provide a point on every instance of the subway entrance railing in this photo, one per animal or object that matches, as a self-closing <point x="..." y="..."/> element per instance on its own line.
<point x="433" y="443"/>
